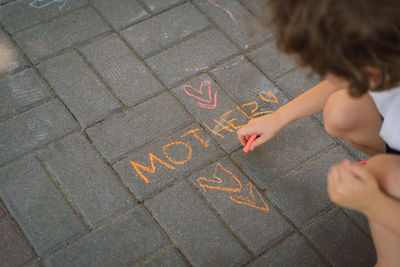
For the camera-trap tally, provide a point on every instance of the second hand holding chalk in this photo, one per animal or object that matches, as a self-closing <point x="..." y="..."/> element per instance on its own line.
<point x="249" y="142"/>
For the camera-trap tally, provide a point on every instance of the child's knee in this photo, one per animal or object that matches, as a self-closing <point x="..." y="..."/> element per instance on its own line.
<point x="336" y="114"/>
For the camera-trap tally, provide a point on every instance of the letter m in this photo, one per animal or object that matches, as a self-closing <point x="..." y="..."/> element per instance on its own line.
<point x="138" y="167"/>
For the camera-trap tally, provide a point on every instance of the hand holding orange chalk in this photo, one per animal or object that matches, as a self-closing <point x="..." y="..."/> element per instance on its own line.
<point x="249" y="142"/>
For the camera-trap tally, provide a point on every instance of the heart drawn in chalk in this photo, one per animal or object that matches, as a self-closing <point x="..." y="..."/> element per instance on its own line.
<point x="206" y="98"/>
<point x="250" y="199"/>
<point x="268" y="96"/>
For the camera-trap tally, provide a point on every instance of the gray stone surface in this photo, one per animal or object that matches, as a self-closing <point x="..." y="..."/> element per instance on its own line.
<point x="2" y="211"/>
<point x="11" y="58"/>
<point x="20" y="91"/>
<point x="293" y="252"/>
<point x="89" y="183"/>
<point x="195" y="229"/>
<point x="190" y="57"/>
<point x="124" y="73"/>
<point x="241" y="205"/>
<point x="79" y="88"/>
<point x="304" y="196"/>
<point x="341" y="241"/>
<point x="168" y="258"/>
<point x="258" y="7"/>
<point x="39" y="208"/>
<point x="235" y="20"/>
<point x="360" y="219"/>
<point x="297" y="81"/>
<point x="272" y="62"/>
<point x="64" y="32"/>
<point x="125" y="132"/>
<point x="180" y="153"/>
<point x="35" y="128"/>
<point x="20" y="15"/>
<point x="121" y="13"/>
<point x="298" y="142"/>
<point x="156" y="6"/>
<point x="165" y="29"/>
<point x="211" y="106"/>
<point x="123" y="242"/>
<point x="248" y="85"/>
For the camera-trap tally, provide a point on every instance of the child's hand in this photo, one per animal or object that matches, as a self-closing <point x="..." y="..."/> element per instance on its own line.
<point x="265" y="127"/>
<point x="352" y="186"/>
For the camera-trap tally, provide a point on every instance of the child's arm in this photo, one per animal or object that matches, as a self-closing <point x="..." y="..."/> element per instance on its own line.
<point x="386" y="211"/>
<point x="308" y="103"/>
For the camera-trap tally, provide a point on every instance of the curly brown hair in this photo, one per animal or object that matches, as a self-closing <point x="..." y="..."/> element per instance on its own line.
<point x="341" y="37"/>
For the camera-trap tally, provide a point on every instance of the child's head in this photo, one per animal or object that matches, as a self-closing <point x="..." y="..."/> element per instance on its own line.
<point x="356" y="40"/>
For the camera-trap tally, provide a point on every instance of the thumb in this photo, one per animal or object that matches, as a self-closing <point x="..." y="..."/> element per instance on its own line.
<point x="258" y="142"/>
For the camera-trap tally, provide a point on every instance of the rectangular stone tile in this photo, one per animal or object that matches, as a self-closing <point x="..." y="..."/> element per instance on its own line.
<point x="79" y="88"/>
<point x="14" y="250"/>
<point x="65" y="32"/>
<point x="293" y="252"/>
<point x="191" y="56"/>
<point x="304" y="196"/>
<point x="11" y="58"/>
<point x="341" y="241"/>
<point x="209" y="104"/>
<point x="88" y="182"/>
<point x="124" y="132"/>
<point x="298" y="81"/>
<point x="156" y="6"/>
<point x="120" y="13"/>
<point x="272" y="62"/>
<point x="170" y="257"/>
<point x="360" y="218"/>
<point x="193" y="227"/>
<point x="20" y="91"/>
<point x="20" y="15"/>
<point x="34" y="129"/>
<point x="119" y="67"/>
<point x="249" y="86"/>
<point x="258" y="7"/>
<point x="161" y="31"/>
<point x="2" y="211"/>
<point x="123" y="242"/>
<point x="171" y="158"/>
<point x="241" y="205"/>
<point x="42" y="213"/>
<point x="295" y="144"/>
<point x="234" y="20"/>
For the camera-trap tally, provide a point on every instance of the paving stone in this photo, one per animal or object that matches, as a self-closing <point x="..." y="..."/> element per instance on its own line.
<point x="341" y="241"/>
<point x="293" y="252"/>
<point x="33" y="129"/>
<point x="235" y="21"/>
<point x="123" y="242"/>
<point x="161" y="31"/>
<point x="127" y="131"/>
<point x="20" y="15"/>
<point x="191" y="56"/>
<point x="258" y="7"/>
<point x="32" y="264"/>
<point x="295" y="144"/>
<point x="11" y="58"/>
<point x="193" y="227"/>
<point x="304" y="196"/>
<point x="357" y="154"/>
<point x="156" y="6"/>
<point x="209" y="104"/>
<point x="14" y="250"/>
<point x="247" y="84"/>
<point x="2" y="211"/>
<point x="125" y="74"/>
<point x="79" y="88"/>
<point x="298" y="81"/>
<point x="241" y="205"/>
<point x="40" y="210"/>
<point x="360" y="219"/>
<point x="121" y="13"/>
<point x="85" y="178"/>
<point x="171" y="158"/>
<point x="65" y="32"/>
<point x="272" y="62"/>
<point x="168" y="258"/>
<point x="20" y="91"/>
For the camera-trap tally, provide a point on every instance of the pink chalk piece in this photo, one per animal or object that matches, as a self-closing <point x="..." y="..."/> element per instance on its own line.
<point x="249" y="142"/>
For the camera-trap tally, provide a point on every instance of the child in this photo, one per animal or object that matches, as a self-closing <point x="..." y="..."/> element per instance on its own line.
<point x="355" y="46"/>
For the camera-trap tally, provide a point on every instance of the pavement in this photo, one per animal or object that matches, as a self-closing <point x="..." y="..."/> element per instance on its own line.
<point x="118" y="142"/>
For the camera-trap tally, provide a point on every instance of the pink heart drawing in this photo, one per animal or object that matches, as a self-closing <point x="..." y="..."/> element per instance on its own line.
<point x="209" y="103"/>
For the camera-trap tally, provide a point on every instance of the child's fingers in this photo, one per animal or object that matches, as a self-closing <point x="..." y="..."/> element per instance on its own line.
<point x="259" y="141"/>
<point x="244" y="134"/>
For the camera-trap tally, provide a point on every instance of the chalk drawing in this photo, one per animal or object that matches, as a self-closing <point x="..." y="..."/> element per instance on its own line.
<point x="251" y="199"/>
<point x="189" y="90"/>
<point x="44" y="3"/>
<point x="194" y="133"/>
<point x="224" y="9"/>
<point x="263" y="95"/>
<point x="206" y="183"/>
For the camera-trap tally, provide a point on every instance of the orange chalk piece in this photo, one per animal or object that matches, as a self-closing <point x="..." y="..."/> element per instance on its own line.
<point x="249" y="142"/>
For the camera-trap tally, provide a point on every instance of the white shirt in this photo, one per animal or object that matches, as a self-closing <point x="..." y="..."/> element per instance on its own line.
<point x="388" y="104"/>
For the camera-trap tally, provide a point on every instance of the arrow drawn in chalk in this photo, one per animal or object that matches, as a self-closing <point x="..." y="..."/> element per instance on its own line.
<point x="208" y="103"/>
<point x="44" y="3"/>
